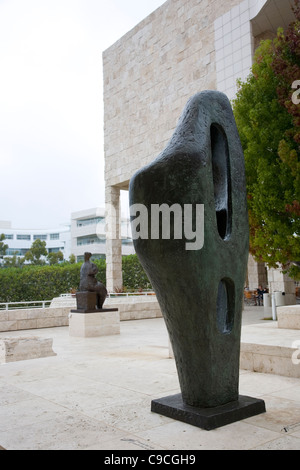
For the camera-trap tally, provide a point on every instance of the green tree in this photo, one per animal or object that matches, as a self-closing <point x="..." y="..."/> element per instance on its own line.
<point x="3" y="246"/>
<point x="55" y="258"/>
<point x="37" y="250"/>
<point x="14" y="261"/>
<point x="269" y="127"/>
<point x="72" y="259"/>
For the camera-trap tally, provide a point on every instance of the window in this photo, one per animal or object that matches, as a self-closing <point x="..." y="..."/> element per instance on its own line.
<point x="40" y="237"/>
<point x="94" y="220"/>
<point x="127" y="241"/>
<point x="54" y="236"/>
<point x="24" y="237"/>
<point x="89" y="240"/>
<point x="55" y="250"/>
<point x="16" y="251"/>
<point x="8" y="236"/>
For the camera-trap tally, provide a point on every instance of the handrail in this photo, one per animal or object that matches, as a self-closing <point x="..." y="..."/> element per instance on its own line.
<point x="114" y="294"/>
<point x="9" y="305"/>
<point x="42" y="303"/>
<point x="129" y="294"/>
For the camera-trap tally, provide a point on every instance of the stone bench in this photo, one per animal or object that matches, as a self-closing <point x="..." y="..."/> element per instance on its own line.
<point x="289" y="317"/>
<point x="22" y="348"/>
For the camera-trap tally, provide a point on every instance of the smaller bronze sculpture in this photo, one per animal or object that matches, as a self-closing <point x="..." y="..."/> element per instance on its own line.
<point x="88" y="281"/>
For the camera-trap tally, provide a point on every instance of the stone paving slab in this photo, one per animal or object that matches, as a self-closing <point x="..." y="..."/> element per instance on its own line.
<point x="96" y="393"/>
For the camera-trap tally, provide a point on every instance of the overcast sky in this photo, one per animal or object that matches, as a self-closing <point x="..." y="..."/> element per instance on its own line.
<point x="51" y="112"/>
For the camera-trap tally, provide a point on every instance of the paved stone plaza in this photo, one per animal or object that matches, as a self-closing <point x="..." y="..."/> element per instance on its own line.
<point x="96" y="394"/>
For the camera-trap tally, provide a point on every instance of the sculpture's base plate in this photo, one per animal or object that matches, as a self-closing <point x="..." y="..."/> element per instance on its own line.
<point x="208" y="418"/>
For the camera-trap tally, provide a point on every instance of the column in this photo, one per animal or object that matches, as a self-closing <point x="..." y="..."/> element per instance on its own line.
<point x="278" y="281"/>
<point x="256" y="274"/>
<point x="114" y="279"/>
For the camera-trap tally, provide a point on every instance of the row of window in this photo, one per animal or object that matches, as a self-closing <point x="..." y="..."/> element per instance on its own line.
<point x="23" y="251"/>
<point x="53" y="236"/>
<point x="89" y="240"/>
<point x="94" y="220"/>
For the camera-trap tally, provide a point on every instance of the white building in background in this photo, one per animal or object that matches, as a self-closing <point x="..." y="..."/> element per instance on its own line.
<point x="19" y="241"/>
<point x="88" y="233"/>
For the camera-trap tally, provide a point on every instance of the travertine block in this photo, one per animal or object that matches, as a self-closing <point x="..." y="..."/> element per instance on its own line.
<point x="289" y="317"/>
<point x="269" y="359"/>
<point x="24" y="348"/>
<point x="26" y="319"/>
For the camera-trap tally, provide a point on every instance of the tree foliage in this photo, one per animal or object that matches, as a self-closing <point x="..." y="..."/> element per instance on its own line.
<point x="3" y="246"/>
<point x="134" y="276"/>
<point x="37" y="251"/>
<point x="55" y="258"/>
<point x="269" y="125"/>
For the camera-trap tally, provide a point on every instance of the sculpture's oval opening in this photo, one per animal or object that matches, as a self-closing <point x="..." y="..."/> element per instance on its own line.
<point x="221" y="180"/>
<point x="225" y="306"/>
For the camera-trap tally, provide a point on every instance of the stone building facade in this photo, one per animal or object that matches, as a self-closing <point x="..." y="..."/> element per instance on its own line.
<point x="183" y="47"/>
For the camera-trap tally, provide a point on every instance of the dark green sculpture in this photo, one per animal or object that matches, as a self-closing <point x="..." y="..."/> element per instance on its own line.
<point x="199" y="283"/>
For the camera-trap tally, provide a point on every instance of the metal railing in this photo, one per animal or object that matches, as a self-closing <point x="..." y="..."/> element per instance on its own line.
<point x="129" y="294"/>
<point x="23" y="305"/>
<point x="116" y="294"/>
<point x="46" y="303"/>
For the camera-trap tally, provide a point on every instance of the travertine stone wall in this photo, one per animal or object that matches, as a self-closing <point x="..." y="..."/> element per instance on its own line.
<point x="129" y="308"/>
<point x="27" y="319"/>
<point x="149" y="74"/>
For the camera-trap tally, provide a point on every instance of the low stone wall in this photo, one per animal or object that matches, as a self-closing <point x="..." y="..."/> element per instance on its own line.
<point x="269" y="359"/>
<point x="27" y="319"/>
<point x="135" y="308"/>
<point x="130" y="308"/>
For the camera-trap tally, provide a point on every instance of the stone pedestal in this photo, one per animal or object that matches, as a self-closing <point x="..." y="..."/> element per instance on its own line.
<point x="104" y="322"/>
<point x="23" y="348"/>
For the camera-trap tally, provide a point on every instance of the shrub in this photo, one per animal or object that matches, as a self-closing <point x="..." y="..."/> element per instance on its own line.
<point x="134" y="276"/>
<point x="31" y="283"/>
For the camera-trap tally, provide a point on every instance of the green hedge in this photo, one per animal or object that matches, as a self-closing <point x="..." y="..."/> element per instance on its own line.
<point x="31" y="283"/>
<point x="134" y="276"/>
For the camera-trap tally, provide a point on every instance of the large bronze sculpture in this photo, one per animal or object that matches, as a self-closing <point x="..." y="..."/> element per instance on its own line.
<point x="200" y="288"/>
